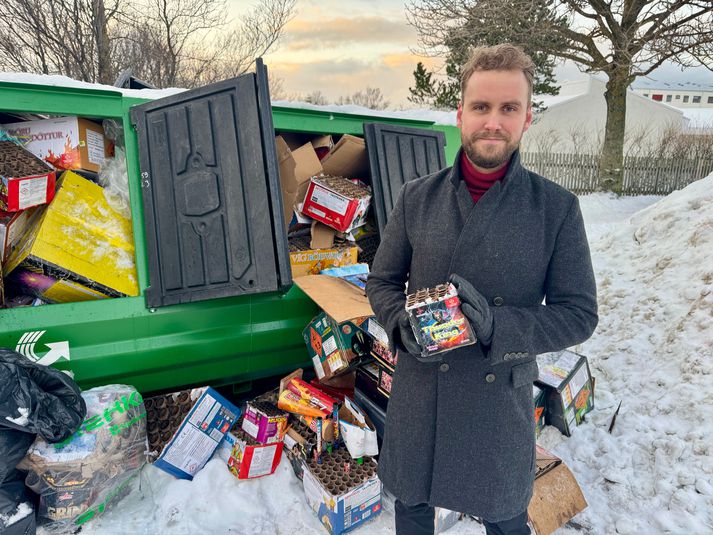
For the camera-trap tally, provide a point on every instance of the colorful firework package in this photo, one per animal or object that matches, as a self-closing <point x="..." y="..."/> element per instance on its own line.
<point x="437" y="320"/>
<point x="79" y="477"/>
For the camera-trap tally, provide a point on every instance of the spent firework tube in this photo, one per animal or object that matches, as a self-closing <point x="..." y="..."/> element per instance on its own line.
<point x="319" y="440"/>
<point x="335" y="423"/>
<point x="437" y="320"/>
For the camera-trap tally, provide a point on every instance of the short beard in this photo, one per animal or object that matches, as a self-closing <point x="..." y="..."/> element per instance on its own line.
<point x="485" y="161"/>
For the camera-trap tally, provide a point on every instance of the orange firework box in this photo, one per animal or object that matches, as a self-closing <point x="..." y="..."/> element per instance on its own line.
<point x="302" y="398"/>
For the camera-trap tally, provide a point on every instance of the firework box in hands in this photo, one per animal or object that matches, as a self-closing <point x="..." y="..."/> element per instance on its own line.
<point x="200" y="432"/>
<point x="25" y="180"/>
<point x="343" y="493"/>
<point x="569" y="390"/>
<point x="437" y="320"/>
<point x="249" y="458"/>
<point x="556" y="496"/>
<point x="337" y="202"/>
<point x="80" y="241"/>
<point x="64" y="142"/>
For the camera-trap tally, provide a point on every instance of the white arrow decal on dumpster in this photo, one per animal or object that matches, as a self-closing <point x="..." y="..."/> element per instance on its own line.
<point x="57" y="350"/>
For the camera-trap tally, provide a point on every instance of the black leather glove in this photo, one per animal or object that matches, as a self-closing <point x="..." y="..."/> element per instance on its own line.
<point x="408" y="340"/>
<point x="476" y="309"/>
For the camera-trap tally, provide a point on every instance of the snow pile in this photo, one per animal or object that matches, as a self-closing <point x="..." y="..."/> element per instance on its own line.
<point x="652" y="350"/>
<point x="23" y="510"/>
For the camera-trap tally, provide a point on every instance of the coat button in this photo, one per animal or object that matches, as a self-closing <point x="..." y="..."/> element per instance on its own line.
<point x="498" y="301"/>
<point x="490" y="378"/>
<point x="444" y="367"/>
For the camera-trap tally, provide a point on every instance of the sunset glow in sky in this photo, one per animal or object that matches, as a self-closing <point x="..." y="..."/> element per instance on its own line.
<point x="343" y="47"/>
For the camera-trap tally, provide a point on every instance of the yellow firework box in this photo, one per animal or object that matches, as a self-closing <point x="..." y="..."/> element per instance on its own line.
<point x="80" y="249"/>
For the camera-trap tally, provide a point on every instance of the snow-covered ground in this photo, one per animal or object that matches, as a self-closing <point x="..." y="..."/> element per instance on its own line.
<point x="652" y="351"/>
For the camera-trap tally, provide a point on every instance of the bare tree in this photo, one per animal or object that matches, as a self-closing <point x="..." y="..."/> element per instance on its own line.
<point x="165" y="42"/>
<point x="57" y="36"/>
<point x="371" y="98"/>
<point x="316" y="97"/>
<point x="624" y="39"/>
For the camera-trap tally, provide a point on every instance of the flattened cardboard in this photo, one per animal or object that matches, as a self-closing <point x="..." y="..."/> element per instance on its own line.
<point x="322" y="236"/>
<point x="556" y="497"/>
<point x="339" y="299"/>
<point x="348" y="158"/>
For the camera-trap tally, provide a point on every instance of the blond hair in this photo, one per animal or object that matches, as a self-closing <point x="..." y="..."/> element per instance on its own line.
<point x="503" y="57"/>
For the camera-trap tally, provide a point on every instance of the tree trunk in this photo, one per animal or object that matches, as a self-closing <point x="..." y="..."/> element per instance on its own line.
<point x="611" y="162"/>
<point x="104" y="74"/>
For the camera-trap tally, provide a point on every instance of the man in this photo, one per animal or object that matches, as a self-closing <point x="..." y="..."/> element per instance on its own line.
<point x="460" y="432"/>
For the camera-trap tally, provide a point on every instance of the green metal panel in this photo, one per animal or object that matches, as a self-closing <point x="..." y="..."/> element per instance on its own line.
<point x="121" y="341"/>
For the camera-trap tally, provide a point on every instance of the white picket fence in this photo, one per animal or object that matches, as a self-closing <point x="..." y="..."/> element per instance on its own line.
<point x="642" y="176"/>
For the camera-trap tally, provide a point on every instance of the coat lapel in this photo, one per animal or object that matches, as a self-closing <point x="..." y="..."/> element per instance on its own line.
<point x="479" y="216"/>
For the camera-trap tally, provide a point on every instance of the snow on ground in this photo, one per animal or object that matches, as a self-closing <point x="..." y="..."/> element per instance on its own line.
<point x="652" y="350"/>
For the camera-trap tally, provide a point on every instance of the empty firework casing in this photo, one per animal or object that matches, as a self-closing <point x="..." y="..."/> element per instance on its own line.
<point x="265" y="422"/>
<point x="249" y="458"/>
<point x="437" y="320"/>
<point x="336" y="202"/>
<point x="25" y="180"/>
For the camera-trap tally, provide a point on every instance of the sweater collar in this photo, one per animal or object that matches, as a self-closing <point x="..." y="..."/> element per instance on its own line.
<point x="514" y="169"/>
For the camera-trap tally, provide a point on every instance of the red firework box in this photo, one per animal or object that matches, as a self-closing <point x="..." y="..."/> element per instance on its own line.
<point x="25" y="180"/>
<point x="437" y="320"/>
<point x="337" y="202"/>
<point x="250" y="459"/>
<point x="264" y="422"/>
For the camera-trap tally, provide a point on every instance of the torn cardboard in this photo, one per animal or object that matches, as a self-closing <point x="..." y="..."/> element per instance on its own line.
<point x="296" y="168"/>
<point x="556" y="497"/>
<point x="348" y="158"/>
<point x="322" y="236"/>
<point x="339" y="299"/>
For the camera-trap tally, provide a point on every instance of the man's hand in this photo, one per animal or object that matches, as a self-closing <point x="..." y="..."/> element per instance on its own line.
<point x="408" y="340"/>
<point x="476" y="309"/>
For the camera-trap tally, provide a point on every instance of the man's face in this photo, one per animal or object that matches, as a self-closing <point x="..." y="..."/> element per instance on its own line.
<point x="492" y="117"/>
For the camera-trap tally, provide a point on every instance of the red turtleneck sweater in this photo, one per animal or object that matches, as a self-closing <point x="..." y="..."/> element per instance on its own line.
<point x="478" y="183"/>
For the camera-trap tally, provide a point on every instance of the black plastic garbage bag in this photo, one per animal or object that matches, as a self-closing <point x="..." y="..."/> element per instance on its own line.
<point x="34" y="400"/>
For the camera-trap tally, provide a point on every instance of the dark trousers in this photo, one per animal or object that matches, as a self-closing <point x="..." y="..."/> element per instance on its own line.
<point x="420" y="520"/>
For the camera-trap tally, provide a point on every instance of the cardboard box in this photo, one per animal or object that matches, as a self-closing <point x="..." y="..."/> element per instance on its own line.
<point x="80" y="239"/>
<point x="250" y="459"/>
<point x="386" y="377"/>
<point x="367" y="382"/>
<point x="64" y="142"/>
<point x="567" y="381"/>
<point x="264" y="422"/>
<point x="348" y="158"/>
<point x="25" y="180"/>
<point x="336" y="202"/>
<point x="306" y="261"/>
<point x="296" y="168"/>
<point x="209" y="419"/>
<point x="343" y="303"/>
<point x="346" y="501"/>
<point x="556" y="497"/>
<point x="300" y="442"/>
<point x="538" y="395"/>
<point x="331" y="345"/>
<point x="13" y="226"/>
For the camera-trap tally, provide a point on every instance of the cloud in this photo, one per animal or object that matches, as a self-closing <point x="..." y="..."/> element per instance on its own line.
<point x="302" y="34"/>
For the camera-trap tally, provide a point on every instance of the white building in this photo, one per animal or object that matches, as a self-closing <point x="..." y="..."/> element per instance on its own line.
<point x="678" y="94"/>
<point x="574" y="120"/>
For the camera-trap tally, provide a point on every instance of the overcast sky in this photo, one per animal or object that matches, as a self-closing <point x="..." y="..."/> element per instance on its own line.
<point x="339" y="48"/>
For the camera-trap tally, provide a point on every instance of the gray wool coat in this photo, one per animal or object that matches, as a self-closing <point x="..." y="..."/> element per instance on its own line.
<point x="460" y="434"/>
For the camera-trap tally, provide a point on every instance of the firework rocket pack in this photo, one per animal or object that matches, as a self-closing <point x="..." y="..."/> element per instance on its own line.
<point x="437" y="320"/>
